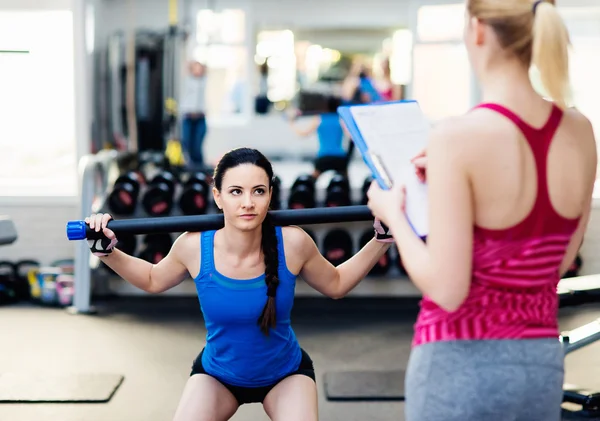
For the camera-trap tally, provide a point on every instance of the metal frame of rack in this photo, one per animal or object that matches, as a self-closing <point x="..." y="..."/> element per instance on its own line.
<point x="92" y="168"/>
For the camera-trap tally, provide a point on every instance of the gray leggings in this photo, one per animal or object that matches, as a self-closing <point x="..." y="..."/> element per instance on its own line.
<point x="495" y="380"/>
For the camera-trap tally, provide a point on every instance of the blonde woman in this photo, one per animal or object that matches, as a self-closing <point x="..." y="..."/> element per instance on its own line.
<point x="510" y="189"/>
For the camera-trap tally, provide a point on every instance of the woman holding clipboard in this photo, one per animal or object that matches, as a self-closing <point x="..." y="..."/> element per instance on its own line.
<point x="505" y="222"/>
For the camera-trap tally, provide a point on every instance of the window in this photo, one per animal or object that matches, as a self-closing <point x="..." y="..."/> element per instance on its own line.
<point x="276" y="49"/>
<point x="401" y="57"/>
<point x="37" y="135"/>
<point x="221" y="46"/>
<point x="442" y="79"/>
<point x="440" y="22"/>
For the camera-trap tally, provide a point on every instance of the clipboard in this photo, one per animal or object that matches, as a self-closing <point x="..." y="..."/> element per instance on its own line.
<point x="372" y="159"/>
<point x="416" y="196"/>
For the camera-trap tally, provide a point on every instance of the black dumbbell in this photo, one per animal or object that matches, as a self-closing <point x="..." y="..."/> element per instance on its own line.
<point x="127" y="243"/>
<point x="8" y="294"/>
<point x="338" y="192"/>
<point x="122" y="200"/>
<point x="365" y="188"/>
<point x="575" y="267"/>
<point x="302" y="193"/>
<point x="337" y="246"/>
<point x="276" y="194"/>
<point x="156" y="247"/>
<point x="158" y="198"/>
<point x="22" y="269"/>
<point x="194" y="197"/>
<point x="383" y="264"/>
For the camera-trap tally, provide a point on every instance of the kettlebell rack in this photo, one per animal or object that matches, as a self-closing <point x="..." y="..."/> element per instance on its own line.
<point x="95" y="197"/>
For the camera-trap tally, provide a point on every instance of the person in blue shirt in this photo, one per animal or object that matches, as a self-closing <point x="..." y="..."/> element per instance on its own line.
<point x="331" y="155"/>
<point x="245" y="275"/>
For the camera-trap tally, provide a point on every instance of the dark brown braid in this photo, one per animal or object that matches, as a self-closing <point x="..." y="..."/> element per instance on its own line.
<point x="267" y="319"/>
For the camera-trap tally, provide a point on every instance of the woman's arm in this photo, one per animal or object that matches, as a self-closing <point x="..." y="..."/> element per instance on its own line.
<point x="441" y="269"/>
<point x="587" y="132"/>
<point x="309" y="130"/>
<point x="329" y="280"/>
<point x="166" y="274"/>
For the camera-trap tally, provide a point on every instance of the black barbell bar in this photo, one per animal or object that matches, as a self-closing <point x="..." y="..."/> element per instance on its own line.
<point x="79" y="230"/>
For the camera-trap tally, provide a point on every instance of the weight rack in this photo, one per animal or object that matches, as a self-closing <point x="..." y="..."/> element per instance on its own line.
<point x="93" y="200"/>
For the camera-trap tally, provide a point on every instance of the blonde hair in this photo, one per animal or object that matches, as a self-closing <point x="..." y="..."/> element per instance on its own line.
<point x="535" y="33"/>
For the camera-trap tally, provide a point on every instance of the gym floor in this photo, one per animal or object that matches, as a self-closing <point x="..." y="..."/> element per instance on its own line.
<point x="153" y="340"/>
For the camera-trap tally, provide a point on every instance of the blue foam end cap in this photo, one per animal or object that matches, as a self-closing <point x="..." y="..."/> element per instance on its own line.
<point x="76" y="230"/>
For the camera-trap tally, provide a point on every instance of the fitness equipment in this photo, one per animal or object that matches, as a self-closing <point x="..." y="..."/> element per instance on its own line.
<point x="8" y="232"/>
<point x="158" y="198"/>
<point x="276" y="194"/>
<point x="127" y="243"/>
<point x="157" y="246"/>
<point x="23" y="268"/>
<point x="7" y="283"/>
<point x="576" y="291"/>
<point x="123" y="198"/>
<point x="149" y="96"/>
<point x="46" y="279"/>
<point x="575" y="267"/>
<point x="337" y="246"/>
<point x="365" y="187"/>
<point x="302" y="193"/>
<point x="79" y="230"/>
<point x="194" y="198"/>
<point x="65" y="289"/>
<point x="338" y="191"/>
<point x="383" y="265"/>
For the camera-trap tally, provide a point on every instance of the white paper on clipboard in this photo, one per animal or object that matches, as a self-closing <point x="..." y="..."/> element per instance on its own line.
<point x="394" y="134"/>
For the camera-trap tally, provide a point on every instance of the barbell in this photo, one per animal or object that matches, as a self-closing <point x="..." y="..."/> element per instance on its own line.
<point x="79" y="230"/>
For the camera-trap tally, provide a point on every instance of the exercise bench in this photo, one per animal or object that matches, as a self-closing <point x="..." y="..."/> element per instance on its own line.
<point x="577" y="291"/>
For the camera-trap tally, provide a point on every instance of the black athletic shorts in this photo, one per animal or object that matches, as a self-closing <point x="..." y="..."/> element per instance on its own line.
<point x="257" y="394"/>
<point x="328" y="163"/>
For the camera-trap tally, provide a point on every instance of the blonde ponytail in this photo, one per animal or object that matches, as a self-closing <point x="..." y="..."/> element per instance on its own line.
<point x="550" y="52"/>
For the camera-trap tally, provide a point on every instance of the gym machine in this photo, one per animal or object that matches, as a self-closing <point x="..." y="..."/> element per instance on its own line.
<point x="577" y="291"/>
<point x="8" y="231"/>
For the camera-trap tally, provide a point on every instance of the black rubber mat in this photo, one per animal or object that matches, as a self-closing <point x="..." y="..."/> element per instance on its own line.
<point x="32" y="387"/>
<point x="365" y="385"/>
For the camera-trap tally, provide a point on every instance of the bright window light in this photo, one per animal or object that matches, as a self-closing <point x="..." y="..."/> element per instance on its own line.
<point x="441" y="23"/>
<point x="37" y="134"/>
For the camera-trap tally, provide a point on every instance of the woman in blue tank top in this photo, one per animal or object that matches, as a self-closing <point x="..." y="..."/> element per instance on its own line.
<point x="331" y="155"/>
<point x="245" y="275"/>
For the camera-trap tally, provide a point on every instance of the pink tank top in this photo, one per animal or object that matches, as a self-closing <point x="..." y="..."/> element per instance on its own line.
<point x="515" y="270"/>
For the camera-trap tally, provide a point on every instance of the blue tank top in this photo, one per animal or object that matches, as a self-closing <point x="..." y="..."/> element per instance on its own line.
<point x="236" y="351"/>
<point x="367" y="87"/>
<point x="331" y="136"/>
